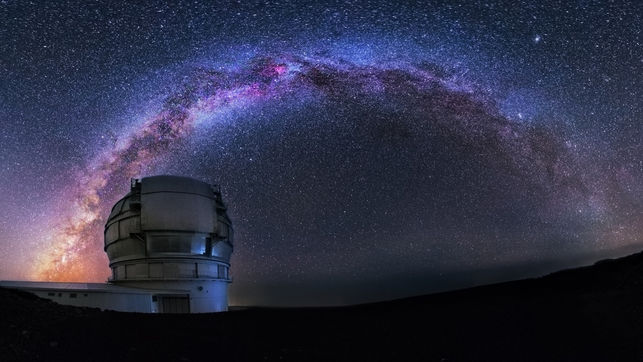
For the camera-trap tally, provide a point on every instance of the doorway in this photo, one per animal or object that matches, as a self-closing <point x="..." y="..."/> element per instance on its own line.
<point x="174" y="303"/>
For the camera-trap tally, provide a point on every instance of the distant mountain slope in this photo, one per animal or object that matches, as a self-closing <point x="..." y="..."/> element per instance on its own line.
<point x="585" y="314"/>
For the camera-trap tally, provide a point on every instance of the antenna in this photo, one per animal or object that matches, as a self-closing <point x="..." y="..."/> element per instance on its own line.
<point x="134" y="183"/>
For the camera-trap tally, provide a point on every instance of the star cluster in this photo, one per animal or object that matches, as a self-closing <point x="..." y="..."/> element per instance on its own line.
<point x="365" y="151"/>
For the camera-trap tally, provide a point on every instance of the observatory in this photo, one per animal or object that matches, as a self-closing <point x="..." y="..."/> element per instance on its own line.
<point x="172" y="233"/>
<point x="169" y="242"/>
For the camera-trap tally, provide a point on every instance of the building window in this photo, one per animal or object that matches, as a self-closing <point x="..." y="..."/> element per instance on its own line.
<point x="72" y="295"/>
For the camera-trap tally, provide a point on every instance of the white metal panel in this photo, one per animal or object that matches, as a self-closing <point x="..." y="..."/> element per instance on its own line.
<point x="177" y="211"/>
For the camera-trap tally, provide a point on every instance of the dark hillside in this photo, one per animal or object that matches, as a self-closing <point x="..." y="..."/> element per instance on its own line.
<point x="590" y="313"/>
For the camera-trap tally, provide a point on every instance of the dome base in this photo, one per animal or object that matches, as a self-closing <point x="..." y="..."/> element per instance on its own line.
<point x="184" y="296"/>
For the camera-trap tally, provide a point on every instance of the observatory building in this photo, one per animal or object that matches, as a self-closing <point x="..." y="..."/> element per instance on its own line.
<point x="172" y="233"/>
<point x="169" y="242"/>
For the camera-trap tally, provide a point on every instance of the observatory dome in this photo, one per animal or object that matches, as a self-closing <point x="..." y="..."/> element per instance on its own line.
<point x="172" y="232"/>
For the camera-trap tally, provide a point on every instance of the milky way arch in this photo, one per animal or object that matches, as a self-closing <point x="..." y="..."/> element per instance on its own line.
<point x="535" y="153"/>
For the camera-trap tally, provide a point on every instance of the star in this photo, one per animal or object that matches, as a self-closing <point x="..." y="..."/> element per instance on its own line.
<point x="355" y="143"/>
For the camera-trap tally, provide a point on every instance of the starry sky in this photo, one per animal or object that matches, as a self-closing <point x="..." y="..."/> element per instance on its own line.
<point x="366" y="150"/>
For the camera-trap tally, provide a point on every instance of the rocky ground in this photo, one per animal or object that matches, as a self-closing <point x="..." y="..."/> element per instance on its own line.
<point x="586" y="314"/>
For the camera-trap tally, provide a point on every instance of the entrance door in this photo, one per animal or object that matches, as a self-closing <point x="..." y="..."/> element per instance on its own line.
<point x="174" y="303"/>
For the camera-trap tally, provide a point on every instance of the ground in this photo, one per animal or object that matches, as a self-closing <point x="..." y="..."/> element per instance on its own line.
<point x="591" y="313"/>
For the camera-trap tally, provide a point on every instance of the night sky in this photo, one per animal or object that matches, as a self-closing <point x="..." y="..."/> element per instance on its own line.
<point x="366" y="150"/>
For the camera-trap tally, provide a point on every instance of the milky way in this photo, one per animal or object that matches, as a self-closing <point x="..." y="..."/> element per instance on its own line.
<point x="346" y="163"/>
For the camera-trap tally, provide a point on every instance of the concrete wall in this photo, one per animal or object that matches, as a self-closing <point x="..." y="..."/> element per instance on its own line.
<point x="122" y="302"/>
<point x="206" y="296"/>
<point x="142" y="296"/>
